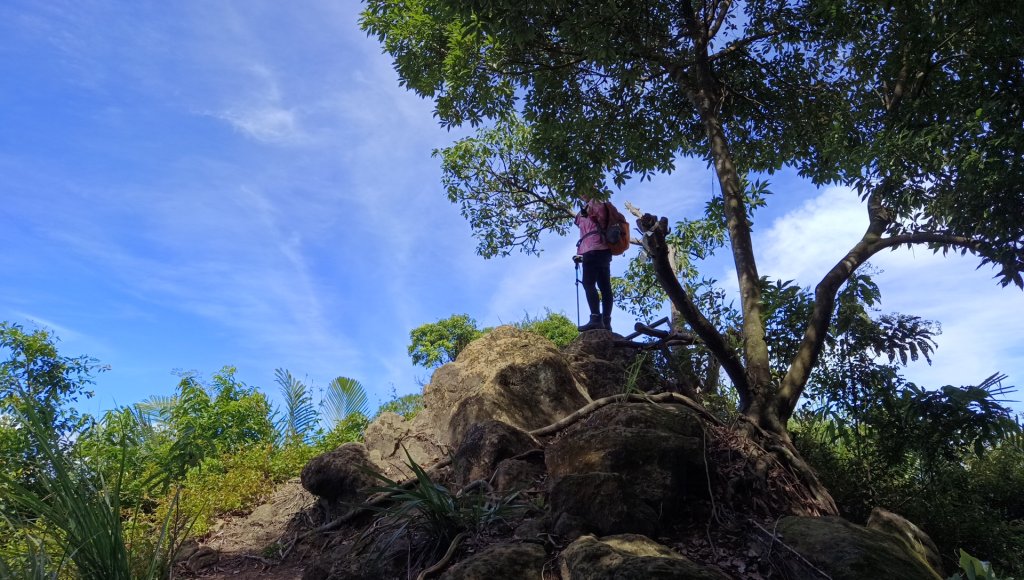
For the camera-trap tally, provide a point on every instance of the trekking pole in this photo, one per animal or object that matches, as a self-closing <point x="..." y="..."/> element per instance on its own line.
<point x="577" y="293"/>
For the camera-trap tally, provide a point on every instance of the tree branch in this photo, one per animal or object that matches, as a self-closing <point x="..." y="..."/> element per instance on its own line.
<point x="654" y="232"/>
<point x="741" y="44"/>
<point x="723" y="12"/>
<point x="871" y="243"/>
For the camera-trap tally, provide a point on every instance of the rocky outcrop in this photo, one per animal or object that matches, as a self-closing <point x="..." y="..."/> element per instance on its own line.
<point x="485" y="445"/>
<point x="912" y="536"/>
<point x="628" y="557"/>
<point x="509" y="375"/>
<point x="606" y="484"/>
<point x="501" y="562"/>
<point x="391" y="441"/>
<point x="627" y="468"/>
<point x="342" y="475"/>
<point x="846" y="551"/>
<point x="603" y="369"/>
<point x="513" y="376"/>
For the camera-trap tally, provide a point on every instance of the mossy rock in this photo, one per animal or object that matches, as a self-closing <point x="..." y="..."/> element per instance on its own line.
<point x="846" y="551"/>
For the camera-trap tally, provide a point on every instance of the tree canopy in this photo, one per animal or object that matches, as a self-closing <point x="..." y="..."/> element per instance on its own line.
<point x="914" y="105"/>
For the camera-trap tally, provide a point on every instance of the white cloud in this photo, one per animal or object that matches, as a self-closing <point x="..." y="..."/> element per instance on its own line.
<point x="61" y="331"/>
<point x="806" y="242"/>
<point x="980" y="321"/>
<point x="266" y="123"/>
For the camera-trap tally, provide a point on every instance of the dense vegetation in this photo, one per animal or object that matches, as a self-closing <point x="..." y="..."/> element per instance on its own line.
<point x="162" y="470"/>
<point x="158" y="472"/>
<point x="915" y="106"/>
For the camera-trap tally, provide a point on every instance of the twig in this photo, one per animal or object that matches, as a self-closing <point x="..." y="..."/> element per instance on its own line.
<point x="445" y="559"/>
<point x="775" y="538"/>
<point x="261" y="560"/>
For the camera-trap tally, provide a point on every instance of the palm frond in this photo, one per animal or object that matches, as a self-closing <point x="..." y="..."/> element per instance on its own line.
<point x="300" y="415"/>
<point x="156" y="409"/>
<point x="344" y="397"/>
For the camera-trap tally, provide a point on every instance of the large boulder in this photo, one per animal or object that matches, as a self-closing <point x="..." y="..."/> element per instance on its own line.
<point x="629" y="557"/>
<point x="509" y="375"/>
<point x="501" y="562"/>
<point x="846" y="551"/>
<point x="603" y="368"/>
<point x="341" y="475"/>
<point x="391" y="441"/>
<point x="485" y="445"/>
<point x="918" y="542"/>
<point x="627" y="468"/>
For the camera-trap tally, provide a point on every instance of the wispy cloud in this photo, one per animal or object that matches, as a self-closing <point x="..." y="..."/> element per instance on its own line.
<point x="60" y="330"/>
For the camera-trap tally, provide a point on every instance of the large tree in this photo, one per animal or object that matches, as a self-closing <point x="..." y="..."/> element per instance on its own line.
<point x="915" y="104"/>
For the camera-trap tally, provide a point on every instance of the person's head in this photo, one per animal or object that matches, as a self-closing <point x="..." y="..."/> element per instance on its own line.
<point x="591" y="194"/>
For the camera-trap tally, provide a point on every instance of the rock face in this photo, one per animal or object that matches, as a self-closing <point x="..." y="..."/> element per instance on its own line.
<point x="606" y="485"/>
<point x="912" y="536"/>
<point x="485" y="445"/>
<point x="603" y="368"/>
<point x="340" y="475"/>
<point x="390" y="437"/>
<point x="846" y="551"/>
<point x="501" y="562"/>
<point x="628" y="557"/>
<point x="627" y="468"/>
<point x="513" y="376"/>
<point x="509" y="375"/>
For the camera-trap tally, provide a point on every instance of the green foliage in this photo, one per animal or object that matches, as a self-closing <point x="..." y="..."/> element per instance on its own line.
<point x="434" y="344"/>
<point x="633" y="375"/>
<point x="428" y="512"/>
<point x="300" y="416"/>
<point x="36" y="377"/>
<point x="555" y="326"/>
<point x="71" y="506"/>
<point x="350" y="429"/>
<point x="407" y="406"/>
<point x="927" y="461"/>
<point x="934" y="118"/>
<point x="975" y="569"/>
<point x="231" y="483"/>
<point x="507" y="196"/>
<point x="344" y="397"/>
<point x="201" y="425"/>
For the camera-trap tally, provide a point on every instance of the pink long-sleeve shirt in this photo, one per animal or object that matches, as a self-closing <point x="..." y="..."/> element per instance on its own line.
<point x="590" y="236"/>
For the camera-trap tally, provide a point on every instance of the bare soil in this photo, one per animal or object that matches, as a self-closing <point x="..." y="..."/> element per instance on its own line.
<point x="263" y="544"/>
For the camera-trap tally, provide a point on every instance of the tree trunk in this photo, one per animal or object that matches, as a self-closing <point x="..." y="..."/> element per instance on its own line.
<point x="756" y="403"/>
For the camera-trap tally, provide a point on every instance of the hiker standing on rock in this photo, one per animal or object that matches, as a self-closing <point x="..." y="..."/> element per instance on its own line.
<point x="596" y="257"/>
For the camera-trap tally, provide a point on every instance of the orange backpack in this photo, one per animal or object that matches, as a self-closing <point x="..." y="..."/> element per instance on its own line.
<point x="615" y="233"/>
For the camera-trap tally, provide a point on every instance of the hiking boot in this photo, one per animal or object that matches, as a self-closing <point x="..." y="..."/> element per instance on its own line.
<point x="607" y="321"/>
<point x="594" y="324"/>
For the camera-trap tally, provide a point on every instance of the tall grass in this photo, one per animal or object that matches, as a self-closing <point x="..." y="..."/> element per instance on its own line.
<point x="70" y="506"/>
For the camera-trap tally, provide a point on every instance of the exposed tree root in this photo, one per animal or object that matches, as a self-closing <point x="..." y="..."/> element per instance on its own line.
<point x="820" y="499"/>
<point x="444" y="559"/>
<point x="595" y="405"/>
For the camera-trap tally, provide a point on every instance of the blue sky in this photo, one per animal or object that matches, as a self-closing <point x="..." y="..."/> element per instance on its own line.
<point x="195" y="184"/>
